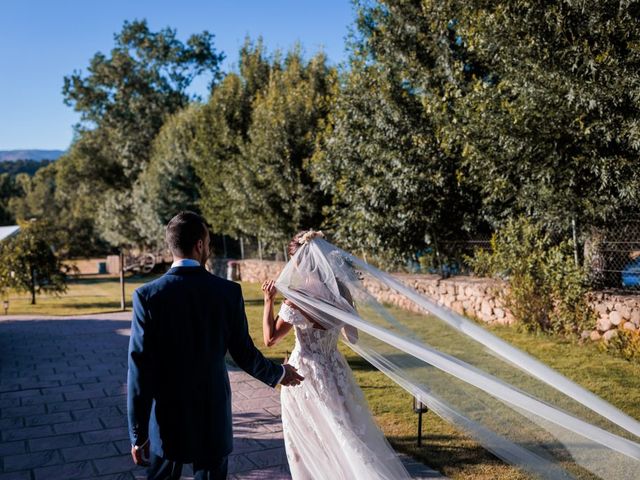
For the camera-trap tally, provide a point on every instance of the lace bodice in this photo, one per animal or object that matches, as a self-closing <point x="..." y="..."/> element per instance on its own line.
<point x="311" y="342"/>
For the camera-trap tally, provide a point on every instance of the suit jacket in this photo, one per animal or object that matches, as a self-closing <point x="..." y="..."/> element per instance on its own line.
<point x="178" y="387"/>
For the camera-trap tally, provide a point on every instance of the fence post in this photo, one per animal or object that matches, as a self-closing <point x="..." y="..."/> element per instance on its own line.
<point x="122" y="295"/>
<point x="284" y="249"/>
<point x="259" y="249"/>
<point x="242" y="247"/>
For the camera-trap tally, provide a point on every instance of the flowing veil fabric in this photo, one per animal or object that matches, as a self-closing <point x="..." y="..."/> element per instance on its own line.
<point x="521" y="410"/>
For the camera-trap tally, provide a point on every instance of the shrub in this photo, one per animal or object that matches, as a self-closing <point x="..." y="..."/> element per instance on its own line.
<point x="546" y="288"/>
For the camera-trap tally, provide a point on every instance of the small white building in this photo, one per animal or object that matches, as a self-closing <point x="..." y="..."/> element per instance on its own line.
<point x="8" y="232"/>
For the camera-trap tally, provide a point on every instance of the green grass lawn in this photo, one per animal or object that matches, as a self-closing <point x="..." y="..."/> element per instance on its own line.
<point x="87" y="294"/>
<point x="444" y="447"/>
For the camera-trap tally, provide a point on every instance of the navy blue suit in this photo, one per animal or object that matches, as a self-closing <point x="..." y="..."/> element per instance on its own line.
<point x="178" y="387"/>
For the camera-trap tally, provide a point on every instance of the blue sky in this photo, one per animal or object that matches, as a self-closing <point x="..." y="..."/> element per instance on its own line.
<point x="41" y="41"/>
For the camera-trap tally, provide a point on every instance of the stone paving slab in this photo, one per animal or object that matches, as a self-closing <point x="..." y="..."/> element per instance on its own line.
<point x="63" y="406"/>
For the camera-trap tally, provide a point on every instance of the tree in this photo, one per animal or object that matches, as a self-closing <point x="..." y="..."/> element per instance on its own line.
<point x="124" y="100"/>
<point x="538" y="99"/>
<point x="84" y="177"/>
<point x="396" y="187"/>
<point x="169" y="184"/>
<point x="36" y="198"/>
<point x="254" y="143"/>
<point x="8" y="190"/>
<point x="281" y="195"/>
<point x="69" y="210"/>
<point x="221" y="132"/>
<point x="29" y="264"/>
<point x="130" y="93"/>
<point x="557" y="136"/>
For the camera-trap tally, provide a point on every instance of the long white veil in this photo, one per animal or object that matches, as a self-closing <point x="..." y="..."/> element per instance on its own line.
<point x="521" y="410"/>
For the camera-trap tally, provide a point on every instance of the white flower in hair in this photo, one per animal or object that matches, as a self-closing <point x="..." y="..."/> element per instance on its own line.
<point x="310" y="235"/>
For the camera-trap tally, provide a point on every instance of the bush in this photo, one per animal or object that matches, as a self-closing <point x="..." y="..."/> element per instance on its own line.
<point x="546" y="288"/>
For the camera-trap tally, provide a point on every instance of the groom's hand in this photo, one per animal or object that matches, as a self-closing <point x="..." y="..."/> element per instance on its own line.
<point x="291" y="376"/>
<point x="140" y="454"/>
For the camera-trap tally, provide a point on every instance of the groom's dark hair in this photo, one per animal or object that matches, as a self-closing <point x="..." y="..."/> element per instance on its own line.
<point x="183" y="232"/>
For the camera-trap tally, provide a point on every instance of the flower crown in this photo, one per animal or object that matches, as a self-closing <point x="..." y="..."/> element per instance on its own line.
<point x="310" y="235"/>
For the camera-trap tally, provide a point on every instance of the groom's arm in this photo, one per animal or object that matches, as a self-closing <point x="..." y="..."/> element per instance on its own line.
<point x="244" y="352"/>
<point x="139" y="397"/>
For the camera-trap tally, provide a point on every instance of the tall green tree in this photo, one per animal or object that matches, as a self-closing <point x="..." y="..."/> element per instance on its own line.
<point x="221" y="133"/>
<point x="130" y="93"/>
<point x="169" y="183"/>
<point x="124" y="99"/>
<point x="254" y="143"/>
<point x="396" y="188"/>
<point x="539" y="99"/>
<point x="557" y="136"/>
<point x="281" y="195"/>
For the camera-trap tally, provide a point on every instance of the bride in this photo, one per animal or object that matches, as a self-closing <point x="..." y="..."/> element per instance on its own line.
<point x="329" y="432"/>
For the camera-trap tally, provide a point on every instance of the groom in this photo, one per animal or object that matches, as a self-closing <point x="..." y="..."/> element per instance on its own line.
<point x="179" y="397"/>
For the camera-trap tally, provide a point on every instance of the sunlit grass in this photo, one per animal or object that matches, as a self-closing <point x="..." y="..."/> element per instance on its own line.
<point x="85" y="295"/>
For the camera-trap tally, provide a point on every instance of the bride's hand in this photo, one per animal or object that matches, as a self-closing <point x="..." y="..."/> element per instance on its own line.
<point x="269" y="289"/>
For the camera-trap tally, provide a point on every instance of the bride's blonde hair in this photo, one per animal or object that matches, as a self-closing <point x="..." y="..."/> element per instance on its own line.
<point x="300" y="238"/>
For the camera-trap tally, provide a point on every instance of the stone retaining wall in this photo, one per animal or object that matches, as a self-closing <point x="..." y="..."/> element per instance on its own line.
<point x="615" y="312"/>
<point x="474" y="297"/>
<point x="478" y="298"/>
<point x="257" y="271"/>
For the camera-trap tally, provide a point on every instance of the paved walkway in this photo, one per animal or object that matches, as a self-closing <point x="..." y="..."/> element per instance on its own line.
<point x="63" y="406"/>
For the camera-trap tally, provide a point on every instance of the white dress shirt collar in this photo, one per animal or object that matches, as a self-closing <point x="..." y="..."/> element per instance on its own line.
<point x="185" y="262"/>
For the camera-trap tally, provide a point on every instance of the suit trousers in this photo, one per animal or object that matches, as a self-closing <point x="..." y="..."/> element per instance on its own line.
<point x="164" y="469"/>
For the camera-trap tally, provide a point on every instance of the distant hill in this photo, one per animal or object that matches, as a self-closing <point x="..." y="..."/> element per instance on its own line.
<point x="37" y="155"/>
<point x="29" y="167"/>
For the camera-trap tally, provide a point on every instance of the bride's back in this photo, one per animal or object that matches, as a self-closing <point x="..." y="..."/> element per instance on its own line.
<point x="311" y="337"/>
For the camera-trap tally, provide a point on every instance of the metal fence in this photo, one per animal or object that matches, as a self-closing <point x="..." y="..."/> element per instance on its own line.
<point x="611" y="255"/>
<point x="246" y="248"/>
<point x="450" y="257"/>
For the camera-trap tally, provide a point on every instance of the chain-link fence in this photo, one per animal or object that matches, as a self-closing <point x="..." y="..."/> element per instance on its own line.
<point x="448" y="257"/>
<point x="611" y="255"/>
<point x="246" y="248"/>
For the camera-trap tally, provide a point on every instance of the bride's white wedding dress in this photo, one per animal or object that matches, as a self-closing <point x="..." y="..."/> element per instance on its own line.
<point x="329" y="432"/>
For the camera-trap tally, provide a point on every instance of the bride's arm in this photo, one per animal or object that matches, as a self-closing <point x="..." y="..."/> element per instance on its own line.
<point x="273" y="329"/>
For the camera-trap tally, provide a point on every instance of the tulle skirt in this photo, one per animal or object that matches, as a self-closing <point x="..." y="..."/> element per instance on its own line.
<point x="329" y="432"/>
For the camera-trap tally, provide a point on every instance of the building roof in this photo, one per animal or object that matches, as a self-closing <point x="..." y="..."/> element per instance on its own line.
<point x="8" y="231"/>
